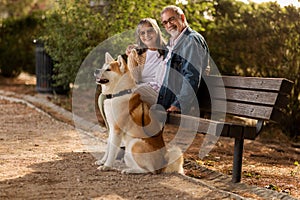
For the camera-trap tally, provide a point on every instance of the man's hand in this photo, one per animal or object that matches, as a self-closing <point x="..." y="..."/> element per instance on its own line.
<point x="173" y="109"/>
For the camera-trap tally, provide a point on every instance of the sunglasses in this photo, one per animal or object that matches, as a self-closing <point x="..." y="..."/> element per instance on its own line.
<point x="148" y="31"/>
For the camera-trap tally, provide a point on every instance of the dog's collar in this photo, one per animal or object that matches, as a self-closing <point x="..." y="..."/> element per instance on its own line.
<point x="123" y="92"/>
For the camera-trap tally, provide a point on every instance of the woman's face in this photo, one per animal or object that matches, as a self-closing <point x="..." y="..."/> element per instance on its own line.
<point x="148" y="35"/>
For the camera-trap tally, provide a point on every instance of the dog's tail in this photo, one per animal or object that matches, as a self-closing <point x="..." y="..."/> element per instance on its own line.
<point x="175" y="160"/>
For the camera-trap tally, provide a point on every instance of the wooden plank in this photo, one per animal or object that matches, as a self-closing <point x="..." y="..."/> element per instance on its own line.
<point x="250" y="132"/>
<point x="244" y="109"/>
<point x="282" y="101"/>
<point x="270" y="84"/>
<point x="251" y="97"/>
<point x="237" y="130"/>
<point x="277" y="115"/>
<point x="257" y="83"/>
<point x="206" y="126"/>
<point x="286" y="87"/>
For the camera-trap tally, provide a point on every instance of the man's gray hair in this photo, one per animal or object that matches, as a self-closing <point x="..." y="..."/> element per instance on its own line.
<point x="176" y="10"/>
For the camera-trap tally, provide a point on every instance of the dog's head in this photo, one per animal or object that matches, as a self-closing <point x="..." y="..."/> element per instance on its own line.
<point x="111" y="72"/>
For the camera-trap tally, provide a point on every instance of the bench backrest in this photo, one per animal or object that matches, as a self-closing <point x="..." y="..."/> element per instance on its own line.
<point x="250" y="97"/>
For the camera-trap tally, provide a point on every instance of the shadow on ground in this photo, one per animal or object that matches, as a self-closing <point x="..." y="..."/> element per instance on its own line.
<point x="75" y="176"/>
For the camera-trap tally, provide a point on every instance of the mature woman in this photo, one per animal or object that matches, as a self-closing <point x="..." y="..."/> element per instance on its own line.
<point x="145" y="60"/>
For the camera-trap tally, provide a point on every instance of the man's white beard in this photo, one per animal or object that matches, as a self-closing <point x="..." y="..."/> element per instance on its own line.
<point x="174" y="34"/>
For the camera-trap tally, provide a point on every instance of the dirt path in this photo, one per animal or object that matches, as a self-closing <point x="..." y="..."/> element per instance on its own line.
<point x="43" y="158"/>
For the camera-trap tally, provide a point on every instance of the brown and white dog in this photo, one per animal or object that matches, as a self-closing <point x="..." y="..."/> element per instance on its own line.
<point x="131" y="121"/>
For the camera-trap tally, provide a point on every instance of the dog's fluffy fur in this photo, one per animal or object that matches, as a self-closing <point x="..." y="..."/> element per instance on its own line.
<point x="132" y="121"/>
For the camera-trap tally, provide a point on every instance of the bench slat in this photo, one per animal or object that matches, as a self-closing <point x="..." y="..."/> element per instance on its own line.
<point x="246" y="110"/>
<point x="257" y="83"/>
<point x="212" y="127"/>
<point x="194" y="123"/>
<point x="250" y="96"/>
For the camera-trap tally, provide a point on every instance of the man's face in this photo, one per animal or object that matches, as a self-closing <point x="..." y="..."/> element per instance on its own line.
<point x="173" y="23"/>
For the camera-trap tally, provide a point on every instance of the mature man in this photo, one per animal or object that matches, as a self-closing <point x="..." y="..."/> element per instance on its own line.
<point x="187" y="58"/>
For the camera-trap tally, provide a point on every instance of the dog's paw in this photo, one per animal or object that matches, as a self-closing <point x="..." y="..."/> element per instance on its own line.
<point x="105" y="168"/>
<point x="99" y="162"/>
<point x="132" y="171"/>
<point x="125" y="171"/>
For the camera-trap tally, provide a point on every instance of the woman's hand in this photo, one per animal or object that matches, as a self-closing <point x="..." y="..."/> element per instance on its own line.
<point x="129" y="48"/>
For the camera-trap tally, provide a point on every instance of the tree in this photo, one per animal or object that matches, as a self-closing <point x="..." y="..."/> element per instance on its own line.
<point x="20" y="22"/>
<point x="21" y="8"/>
<point x="73" y="29"/>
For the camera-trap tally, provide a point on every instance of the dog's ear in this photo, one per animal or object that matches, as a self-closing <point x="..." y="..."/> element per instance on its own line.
<point x="122" y="63"/>
<point x="108" y="58"/>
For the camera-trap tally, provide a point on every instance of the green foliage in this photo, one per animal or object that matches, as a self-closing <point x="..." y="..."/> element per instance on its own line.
<point x="296" y="170"/>
<point x="125" y="15"/>
<point x="73" y="29"/>
<point x="244" y="39"/>
<point x="252" y="175"/>
<point x="199" y="15"/>
<point x="273" y="187"/>
<point x="17" y="48"/>
<point x="18" y="8"/>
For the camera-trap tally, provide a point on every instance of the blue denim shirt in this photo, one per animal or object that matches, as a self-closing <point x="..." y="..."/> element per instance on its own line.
<point x="188" y="60"/>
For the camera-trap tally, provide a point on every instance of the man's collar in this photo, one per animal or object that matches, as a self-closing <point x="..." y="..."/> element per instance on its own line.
<point x="173" y="42"/>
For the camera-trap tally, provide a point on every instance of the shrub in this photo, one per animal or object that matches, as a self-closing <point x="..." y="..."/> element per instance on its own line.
<point x="17" y="48"/>
<point x="73" y="29"/>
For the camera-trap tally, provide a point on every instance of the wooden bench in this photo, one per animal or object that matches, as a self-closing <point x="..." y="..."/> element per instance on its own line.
<point x="261" y="99"/>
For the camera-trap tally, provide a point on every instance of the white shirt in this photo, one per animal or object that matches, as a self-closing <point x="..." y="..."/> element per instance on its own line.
<point x="152" y="73"/>
<point x="151" y="64"/>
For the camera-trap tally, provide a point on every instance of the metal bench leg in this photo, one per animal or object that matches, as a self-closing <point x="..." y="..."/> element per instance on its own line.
<point x="237" y="160"/>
